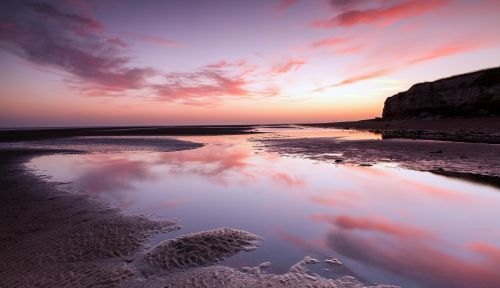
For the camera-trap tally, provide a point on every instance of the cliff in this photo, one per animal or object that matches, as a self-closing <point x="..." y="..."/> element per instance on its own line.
<point x="470" y="94"/>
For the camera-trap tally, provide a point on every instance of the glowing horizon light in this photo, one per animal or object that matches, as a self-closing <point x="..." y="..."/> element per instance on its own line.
<point x="77" y="63"/>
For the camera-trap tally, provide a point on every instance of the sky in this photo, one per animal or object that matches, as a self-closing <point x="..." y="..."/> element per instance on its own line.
<point x="188" y="62"/>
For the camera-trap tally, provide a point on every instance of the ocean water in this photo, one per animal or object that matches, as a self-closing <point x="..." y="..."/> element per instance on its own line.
<point x="384" y="223"/>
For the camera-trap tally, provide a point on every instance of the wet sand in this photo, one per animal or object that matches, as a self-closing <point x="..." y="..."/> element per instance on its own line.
<point x="478" y="162"/>
<point x="475" y="130"/>
<point x="50" y="238"/>
<point x="8" y="135"/>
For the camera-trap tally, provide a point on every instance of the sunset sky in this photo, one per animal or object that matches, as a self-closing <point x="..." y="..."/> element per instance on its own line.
<point x="77" y="62"/>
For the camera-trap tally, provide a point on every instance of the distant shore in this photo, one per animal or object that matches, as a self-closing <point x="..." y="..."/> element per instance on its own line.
<point x="473" y="129"/>
<point x="33" y="134"/>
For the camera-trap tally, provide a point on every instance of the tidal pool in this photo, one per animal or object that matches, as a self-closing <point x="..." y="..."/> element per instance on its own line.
<point x="385" y="224"/>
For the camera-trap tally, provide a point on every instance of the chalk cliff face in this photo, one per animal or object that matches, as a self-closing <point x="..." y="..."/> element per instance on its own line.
<point x="476" y="93"/>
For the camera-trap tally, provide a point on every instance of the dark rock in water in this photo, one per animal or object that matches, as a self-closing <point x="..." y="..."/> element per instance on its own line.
<point x="471" y="94"/>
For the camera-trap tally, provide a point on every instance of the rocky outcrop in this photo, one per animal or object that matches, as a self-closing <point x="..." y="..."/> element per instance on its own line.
<point x="471" y="94"/>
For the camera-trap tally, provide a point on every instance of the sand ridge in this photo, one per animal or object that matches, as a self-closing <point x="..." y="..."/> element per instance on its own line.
<point x="202" y="248"/>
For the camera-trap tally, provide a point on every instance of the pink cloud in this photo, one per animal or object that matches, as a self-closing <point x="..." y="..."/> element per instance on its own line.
<point x="365" y="76"/>
<point x="284" y="5"/>
<point x="386" y="64"/>
<point x="70" y="19"/>
<point x="489" y="251"/>
<point x="5" y="26"/>
<point x="289" y="65"/>
<point x="383" y="15"/>
<point x="328" y="42"/>
<point x="449" y="49"/>
<point x="225" y="64"/>
<point x="43" y="34"/>
<point x="151" y="39"/>
<point x="207" y="84"/>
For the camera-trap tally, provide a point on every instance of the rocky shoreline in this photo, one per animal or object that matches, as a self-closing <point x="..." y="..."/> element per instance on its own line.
<point x="478" y="162"/>
<point x="471" y="129"/>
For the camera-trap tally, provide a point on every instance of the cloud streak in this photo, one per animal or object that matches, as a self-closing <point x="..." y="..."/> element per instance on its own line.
<point x="382" y="15"/>
<point x="284" y="5"/>
<point x="201" y="87"/>
<point x="45" y="35"/>
<point x="98" y="65"/>
<point x="329" y="42"/>
<point x="386" y="64"/>
<point x="289" y="65"/>
<point x="151" y="39"/>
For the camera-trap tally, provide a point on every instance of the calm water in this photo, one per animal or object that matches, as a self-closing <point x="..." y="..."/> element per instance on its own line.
<point x="386" y="224"/>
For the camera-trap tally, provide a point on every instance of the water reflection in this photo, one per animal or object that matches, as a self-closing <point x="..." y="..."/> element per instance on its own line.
<point x="386" y="224"/>
<point x="415" y="254"/>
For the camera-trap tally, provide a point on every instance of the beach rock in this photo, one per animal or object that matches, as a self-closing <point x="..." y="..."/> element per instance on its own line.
<point x="470" y="94"/>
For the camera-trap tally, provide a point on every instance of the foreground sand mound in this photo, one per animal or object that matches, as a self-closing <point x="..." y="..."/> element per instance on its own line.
<point x="105" y="238"/>
<point x="219" y="276"/>
<point x="74" y="275"/>
<point x="201" y="248"/>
